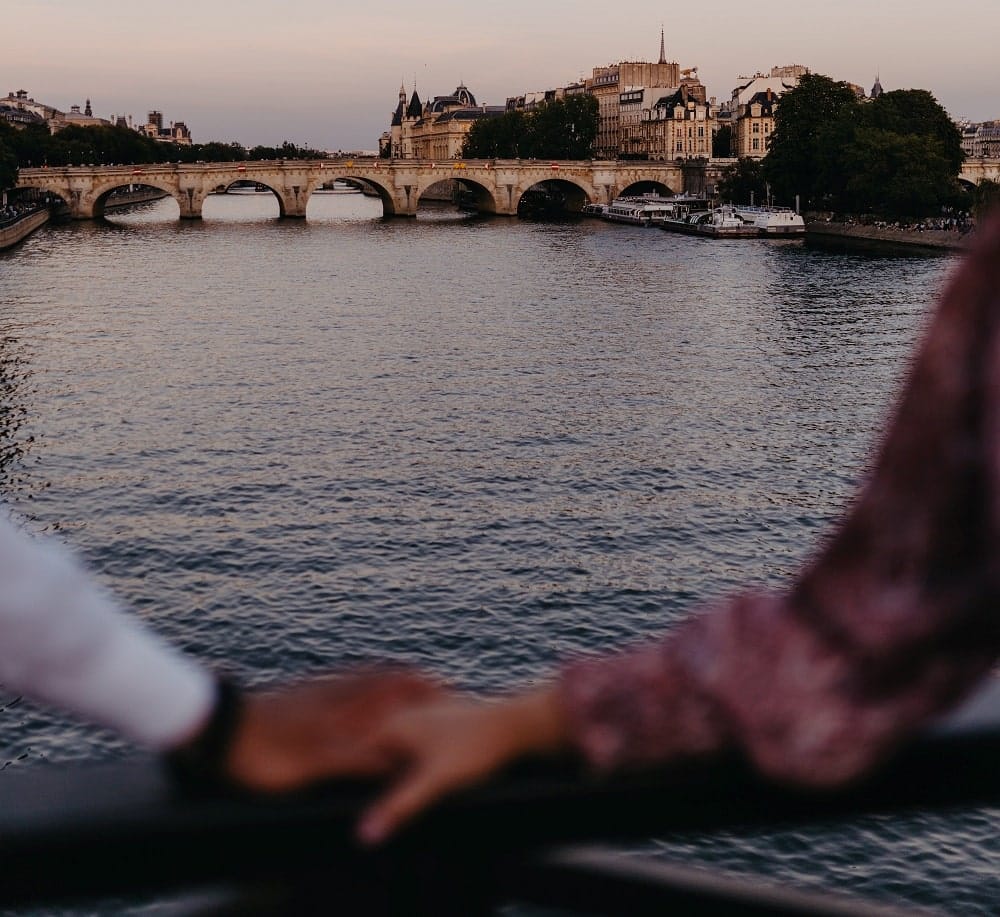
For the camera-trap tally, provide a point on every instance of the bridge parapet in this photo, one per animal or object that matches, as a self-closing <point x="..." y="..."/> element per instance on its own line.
<point x="498" y="185"/>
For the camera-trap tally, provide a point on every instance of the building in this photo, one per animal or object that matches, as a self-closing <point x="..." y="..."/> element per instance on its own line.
<point x="981" y="140"/>
<point x="532" y="100"/>
<point x="176" y="132"/>
<point x="608" y="84"/>
<point x="436" y="129"/>
<point x="754" y="125"/>
<point x="21" y="102"/>
<point x="677" y="124"/>
<point x="77" y="118"/>
<point x="753" y="105"/>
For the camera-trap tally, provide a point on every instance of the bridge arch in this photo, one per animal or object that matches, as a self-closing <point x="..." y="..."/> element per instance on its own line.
<point x="362" y="181"/>
<point x="480" y="197"/>
<point x="99" y="194"/>
<point x="646" y="186"/>
<point x="554" y="195"/>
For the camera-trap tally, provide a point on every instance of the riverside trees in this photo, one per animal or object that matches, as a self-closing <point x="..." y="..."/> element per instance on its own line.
<point x="897" y="155"/>
<point x="562" y="129"/>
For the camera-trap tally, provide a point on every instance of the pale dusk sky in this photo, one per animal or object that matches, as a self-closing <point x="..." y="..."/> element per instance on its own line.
<point x="263" y="72"/>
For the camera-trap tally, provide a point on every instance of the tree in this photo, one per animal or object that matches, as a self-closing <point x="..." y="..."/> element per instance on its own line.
<point x="803" y="156"/>
<point x="985" y="198"/>
<point x="743" y="181"/>
<point x="722" y="142"/>
<point x="916" y="112"/>
<point x="8" y="161"/>
<point x="563" y="129"/>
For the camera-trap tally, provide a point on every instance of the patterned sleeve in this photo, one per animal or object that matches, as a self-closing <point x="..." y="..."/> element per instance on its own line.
<point x="895" y="619"/>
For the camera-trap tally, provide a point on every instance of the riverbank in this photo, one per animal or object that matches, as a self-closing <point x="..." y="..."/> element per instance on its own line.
<point x="17" y="232"/>
<point x="857" y="234"/>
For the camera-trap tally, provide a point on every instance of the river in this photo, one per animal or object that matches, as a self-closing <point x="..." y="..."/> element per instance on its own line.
<point x="480" y="446"/>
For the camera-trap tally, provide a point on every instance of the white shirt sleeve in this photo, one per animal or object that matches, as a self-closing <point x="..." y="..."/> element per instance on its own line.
<point x="65" y="642"/>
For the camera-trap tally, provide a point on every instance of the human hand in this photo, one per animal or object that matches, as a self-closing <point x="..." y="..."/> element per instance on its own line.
<point x="449" y="742"/>
<point x="305" y="732"/>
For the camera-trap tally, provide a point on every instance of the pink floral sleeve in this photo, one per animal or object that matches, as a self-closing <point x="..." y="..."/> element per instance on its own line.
<point x="894" y="620"/>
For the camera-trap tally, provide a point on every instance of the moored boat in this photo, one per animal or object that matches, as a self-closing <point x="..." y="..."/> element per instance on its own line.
<point x="717" y="223"/>
<point x="773" y="221"/>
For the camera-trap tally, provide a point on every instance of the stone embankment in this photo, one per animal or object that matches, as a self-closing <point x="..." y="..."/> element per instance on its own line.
<point x="19" y="230"/>
<point x="939" y="239"/>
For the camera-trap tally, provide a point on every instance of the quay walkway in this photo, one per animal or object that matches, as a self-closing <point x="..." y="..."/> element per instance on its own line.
<point x="18" y="227"/>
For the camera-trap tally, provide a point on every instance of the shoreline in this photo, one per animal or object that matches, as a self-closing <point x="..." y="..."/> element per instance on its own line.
<point x="17" y="232"/>
<point x="852" y="233"/>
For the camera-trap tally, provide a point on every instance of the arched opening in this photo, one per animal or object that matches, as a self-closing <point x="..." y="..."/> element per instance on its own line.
<point x="966" y="184"/>
<point x="552" y="198"/>
<point x="242" y="201"/>
<point x="454" y="198"/>
<point x="26" y="199"/>
<point x="349" y="198"/>
<point x="640" y="188"/>
<point x="339" y="200"/>
<point x="136" y="202"/>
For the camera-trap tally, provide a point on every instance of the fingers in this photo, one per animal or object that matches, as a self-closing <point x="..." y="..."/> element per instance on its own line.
<point x="411" y="795"/>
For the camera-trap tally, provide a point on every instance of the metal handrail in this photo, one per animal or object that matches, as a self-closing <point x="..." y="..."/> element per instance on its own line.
<point x="124" y="828"/>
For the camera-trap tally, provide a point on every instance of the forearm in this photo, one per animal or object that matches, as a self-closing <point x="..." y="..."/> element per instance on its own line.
<point x="64" y="642"/>
<point x="894" y="619"/>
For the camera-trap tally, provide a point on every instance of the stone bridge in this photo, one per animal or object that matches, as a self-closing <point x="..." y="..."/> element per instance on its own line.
<point x="975" y="170"/>
<point x="496" y="186"/>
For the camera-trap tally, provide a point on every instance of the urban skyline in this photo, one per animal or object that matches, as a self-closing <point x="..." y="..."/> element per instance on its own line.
<point x="329" y="77"/>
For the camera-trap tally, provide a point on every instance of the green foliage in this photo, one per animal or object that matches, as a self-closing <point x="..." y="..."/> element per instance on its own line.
<point x="986" y="198"/>
<point x="722" y="142"/>
<point x="8" y="161"/>
<point x="742" y="180"/>
<point x="898" y="155"/>
<point x="102" y="145"/>
<point x="563" y="129"/>
<point x="806" y="127"/>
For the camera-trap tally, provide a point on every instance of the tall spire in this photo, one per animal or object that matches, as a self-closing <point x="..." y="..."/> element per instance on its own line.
<point x="663" y="48"/>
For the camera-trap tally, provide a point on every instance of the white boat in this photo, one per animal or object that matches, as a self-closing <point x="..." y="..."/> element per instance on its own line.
<point x="649" y="209"/>
<point x="773" y="221"/>
<point x="718" y="223"/>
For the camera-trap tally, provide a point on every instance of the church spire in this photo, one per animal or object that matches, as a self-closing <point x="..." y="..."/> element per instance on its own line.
<point x="663" y="48"/>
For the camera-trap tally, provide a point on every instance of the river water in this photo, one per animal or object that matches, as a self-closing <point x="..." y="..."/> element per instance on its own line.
<point x="480" y="446"/>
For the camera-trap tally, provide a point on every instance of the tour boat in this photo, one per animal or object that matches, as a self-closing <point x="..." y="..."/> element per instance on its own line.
<point x="650" y="209"/>
<point x="773" y="221"/>
<point x="717" y="223"/>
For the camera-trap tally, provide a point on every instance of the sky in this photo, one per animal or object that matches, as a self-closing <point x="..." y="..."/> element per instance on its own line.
<point x="328" y="75"/>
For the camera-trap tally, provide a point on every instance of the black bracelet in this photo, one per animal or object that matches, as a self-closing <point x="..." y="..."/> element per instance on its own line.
<point x="201" y="762"/>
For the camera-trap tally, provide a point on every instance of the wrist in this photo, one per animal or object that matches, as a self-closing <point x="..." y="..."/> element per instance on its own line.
<point x="537" y="723"/>
<point x="202" y="760"/>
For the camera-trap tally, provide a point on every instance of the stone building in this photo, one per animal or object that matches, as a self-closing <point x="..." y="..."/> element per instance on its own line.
<point x="754" y="125"/>
<point x="175" y="132"/>
<point x="679" y="124"/>
<point x="608" y="85"/>
<point x="435" y="129"/>
<point x="753" y="106"/>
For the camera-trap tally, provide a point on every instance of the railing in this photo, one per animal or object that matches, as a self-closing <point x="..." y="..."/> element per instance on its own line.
<point x="123" y="829"/>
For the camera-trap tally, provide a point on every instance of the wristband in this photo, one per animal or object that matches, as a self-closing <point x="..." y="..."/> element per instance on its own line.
<point x="201" y="763"/>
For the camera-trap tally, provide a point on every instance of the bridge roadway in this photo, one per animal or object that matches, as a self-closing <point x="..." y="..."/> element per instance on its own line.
<point x="497" y="186"/>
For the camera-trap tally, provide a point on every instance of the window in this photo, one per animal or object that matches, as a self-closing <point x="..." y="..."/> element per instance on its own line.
<point x="756" y="143"/>
<point x="701" y="132"/>
<point x="756" y="127"/>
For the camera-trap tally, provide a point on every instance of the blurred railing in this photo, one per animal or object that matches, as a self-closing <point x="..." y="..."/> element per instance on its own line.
<point x="121" y="829"/>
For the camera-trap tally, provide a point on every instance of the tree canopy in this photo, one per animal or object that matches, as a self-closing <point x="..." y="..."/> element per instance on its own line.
<point x="562" y="129"/>
<point x="8" y="160"/>
<point x="897" y="155"/>
<point x="102" y="144"/>
<point x="743" y="180"/>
